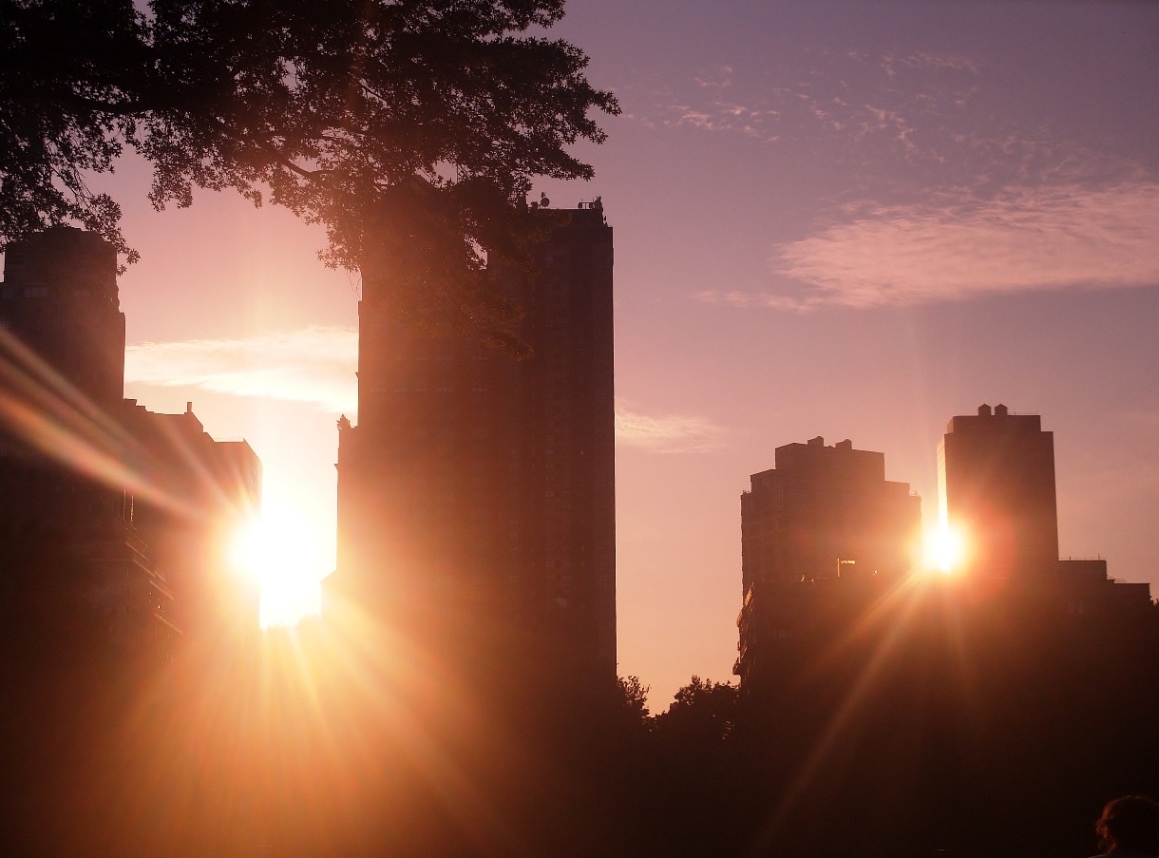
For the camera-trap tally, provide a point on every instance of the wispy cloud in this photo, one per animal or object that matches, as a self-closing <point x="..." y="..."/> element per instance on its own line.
<point x="920" y="112"/>
<point x="718" y="79"/>
<point x="923" y="61"/>
<point x="720" y="116"/>
<point x="315" y="364"/>
<point x="668" y="434"/>
<point x="1026" y="238"/>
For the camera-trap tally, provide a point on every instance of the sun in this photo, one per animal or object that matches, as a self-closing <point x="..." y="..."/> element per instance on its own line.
<point x="281" y="552"/>
<point x="945" y="548"/>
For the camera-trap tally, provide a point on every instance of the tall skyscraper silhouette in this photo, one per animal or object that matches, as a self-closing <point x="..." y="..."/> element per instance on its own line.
<point x="996" y="486"/>
<point x="476" y="495"/>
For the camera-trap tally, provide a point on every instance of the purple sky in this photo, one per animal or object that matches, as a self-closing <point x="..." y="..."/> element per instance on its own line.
<point x="843" y="219"/>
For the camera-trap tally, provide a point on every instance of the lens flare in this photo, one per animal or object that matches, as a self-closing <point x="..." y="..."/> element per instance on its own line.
<point x="945" y="549"/>
<point x="279" y="550"/>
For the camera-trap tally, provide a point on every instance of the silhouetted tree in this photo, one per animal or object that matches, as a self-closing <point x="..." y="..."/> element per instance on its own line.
<point x="411" y="130"/>
<point x="690" y="784"/>
<point x="702" y="712"/>
<point x="635" y="699"/>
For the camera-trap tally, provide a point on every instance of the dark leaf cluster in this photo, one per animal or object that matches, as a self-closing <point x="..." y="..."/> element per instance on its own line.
<point x="352" y="113"/>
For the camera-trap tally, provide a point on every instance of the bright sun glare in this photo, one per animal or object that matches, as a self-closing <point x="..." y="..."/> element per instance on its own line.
<point x="945" y="548"/>
<point x="278" y="549"/>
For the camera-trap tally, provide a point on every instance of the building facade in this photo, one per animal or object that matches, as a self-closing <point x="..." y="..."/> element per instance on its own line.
<point x="476" y="495"/>
<point x="821" y="533"/>
<point x="199" y="493"/>
<point x="94" y="489"/>
<point x="996" y="480"/>
<point x="59" y="297"/>
<point x="997" y="491"/>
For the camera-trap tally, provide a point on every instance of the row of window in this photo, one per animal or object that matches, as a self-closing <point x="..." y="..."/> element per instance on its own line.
<point x="421" y="386"/>
<point x="423" y="358"/>
<point x="37" y="292"/>
<point x="27" y="292"/>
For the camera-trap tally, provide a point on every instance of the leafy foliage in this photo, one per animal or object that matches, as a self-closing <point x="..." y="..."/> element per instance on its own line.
<point x="411" y="130"/>
<point x="702" y="712"/>
<point x="64" y="111"/>
<point x="635" y="697"/>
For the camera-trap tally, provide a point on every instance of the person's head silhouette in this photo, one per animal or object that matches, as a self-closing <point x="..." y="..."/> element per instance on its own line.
<point x="1129" y="826"/>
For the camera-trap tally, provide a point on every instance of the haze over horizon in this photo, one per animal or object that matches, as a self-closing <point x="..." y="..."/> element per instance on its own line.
<point x="838" y="219"/>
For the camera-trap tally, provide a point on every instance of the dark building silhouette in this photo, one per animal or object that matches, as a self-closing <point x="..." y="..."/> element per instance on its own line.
<point x="821" y="530"/>
<point x="911" y="719"/>
<point x="99" y="498"/>
<point x="996" y="486"/>
<point x="73" y="563"/>
<point x="476" y="496"/>
<point x="59" y="297"/>
<point x="201" y="490"/>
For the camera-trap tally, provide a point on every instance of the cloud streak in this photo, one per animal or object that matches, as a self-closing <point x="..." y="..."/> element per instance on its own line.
<point x="1024" y="239"/>
<point x="668" y="434"/>
<point x="315" y="365"/>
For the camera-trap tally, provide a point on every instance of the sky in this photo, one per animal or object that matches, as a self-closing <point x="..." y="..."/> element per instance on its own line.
<point x="852" y="220"/>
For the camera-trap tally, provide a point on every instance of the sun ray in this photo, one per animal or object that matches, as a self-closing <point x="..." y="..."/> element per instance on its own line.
<point x="897" y="610"/>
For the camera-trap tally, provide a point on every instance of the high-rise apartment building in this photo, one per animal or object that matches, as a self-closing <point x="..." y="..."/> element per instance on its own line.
<point x="826" y="512"/>
<point x="996" y="489"/>
<point x="476" y="495"/>
<point x="820" y="533"/>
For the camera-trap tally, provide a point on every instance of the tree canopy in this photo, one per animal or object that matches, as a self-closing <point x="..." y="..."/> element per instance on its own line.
<point x="411" y="130"/>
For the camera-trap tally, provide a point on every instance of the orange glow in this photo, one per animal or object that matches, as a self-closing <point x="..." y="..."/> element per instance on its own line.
<point x="283" y="554"/>
<point x="945" y="548"/>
